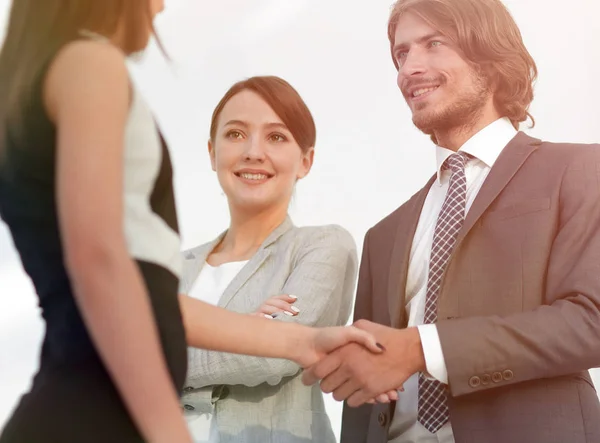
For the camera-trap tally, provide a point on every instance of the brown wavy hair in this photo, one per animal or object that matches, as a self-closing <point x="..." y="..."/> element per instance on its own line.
<point x="489" y="38"/>
<point x="285" y="102"/>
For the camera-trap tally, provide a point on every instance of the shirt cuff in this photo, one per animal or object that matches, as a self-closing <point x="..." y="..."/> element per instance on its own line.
<point x="432" y="350"/>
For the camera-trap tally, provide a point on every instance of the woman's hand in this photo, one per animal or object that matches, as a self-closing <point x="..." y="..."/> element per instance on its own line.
<point x="278" y="305"/>
<point x="315" y="343"/>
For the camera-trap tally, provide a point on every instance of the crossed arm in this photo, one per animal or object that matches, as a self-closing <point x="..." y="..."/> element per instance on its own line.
<point x="323" y="279"/>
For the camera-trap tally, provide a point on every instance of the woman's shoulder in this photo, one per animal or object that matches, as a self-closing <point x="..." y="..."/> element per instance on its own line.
<point x="332" y="235"/>
<point x="89" y="57"/>
<point x="88" y="68"/>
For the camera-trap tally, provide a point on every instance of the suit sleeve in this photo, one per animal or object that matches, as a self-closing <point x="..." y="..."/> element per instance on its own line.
<point x="355" y="421"/>
<point x="560" y="337"/>
<point x="323" y="279"/>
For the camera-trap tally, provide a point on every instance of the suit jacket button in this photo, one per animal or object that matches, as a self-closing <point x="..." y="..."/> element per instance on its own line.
<point x="486" y="379"/>
<point x="382" y="419"/>
<point x="508" y="375"/>
<point x="474" y="381"/>
<point x="497" y="377"/>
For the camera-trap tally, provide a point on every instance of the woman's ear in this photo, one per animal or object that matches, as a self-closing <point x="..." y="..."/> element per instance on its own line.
<point x="307" y="162"/>
<point x="211" y="153"/>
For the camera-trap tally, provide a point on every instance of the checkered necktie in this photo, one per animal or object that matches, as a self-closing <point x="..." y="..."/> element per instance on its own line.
<point x="433" y="400"/>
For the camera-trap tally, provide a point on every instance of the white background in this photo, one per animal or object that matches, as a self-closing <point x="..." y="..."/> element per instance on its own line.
<point x="369" y="158"/>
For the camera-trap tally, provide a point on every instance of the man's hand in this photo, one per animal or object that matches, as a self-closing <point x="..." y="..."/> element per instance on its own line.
<point x="354" y="374"/>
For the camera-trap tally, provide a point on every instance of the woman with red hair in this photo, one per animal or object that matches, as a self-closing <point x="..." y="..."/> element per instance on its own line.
<point x="262" y="140"/>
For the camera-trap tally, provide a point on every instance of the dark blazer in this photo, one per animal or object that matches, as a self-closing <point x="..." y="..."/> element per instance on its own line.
<point x="519" y="306"/>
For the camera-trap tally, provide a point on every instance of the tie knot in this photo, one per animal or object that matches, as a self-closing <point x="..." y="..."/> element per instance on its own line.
<point x="456" y="162"/>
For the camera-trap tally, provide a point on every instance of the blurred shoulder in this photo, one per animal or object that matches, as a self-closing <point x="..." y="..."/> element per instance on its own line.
<point x="87" y="57"/>
<point x="92" y="69"/>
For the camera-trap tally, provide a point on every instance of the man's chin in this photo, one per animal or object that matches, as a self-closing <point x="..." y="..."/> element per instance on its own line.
<point x="425" y="123"/>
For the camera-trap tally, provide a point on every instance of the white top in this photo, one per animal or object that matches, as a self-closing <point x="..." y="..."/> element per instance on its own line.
<point x="208" y="287"/>
<point x="213" y="280"/>
<point x="485" y="146"/>
<point x="148" y="236"/>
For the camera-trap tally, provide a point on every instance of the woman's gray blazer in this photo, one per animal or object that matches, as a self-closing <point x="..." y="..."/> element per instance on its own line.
<point x="263" y="400"/>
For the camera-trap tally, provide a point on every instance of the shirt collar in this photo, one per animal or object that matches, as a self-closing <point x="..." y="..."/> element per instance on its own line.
<point x="486" y="145"/>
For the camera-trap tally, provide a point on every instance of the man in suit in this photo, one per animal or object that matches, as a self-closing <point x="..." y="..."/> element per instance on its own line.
<point x="484" y="287"/>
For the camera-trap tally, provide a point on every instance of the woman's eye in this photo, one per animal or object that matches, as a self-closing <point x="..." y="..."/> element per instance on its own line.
<point x="234" y="134"/>
<point x="277" y="138"/>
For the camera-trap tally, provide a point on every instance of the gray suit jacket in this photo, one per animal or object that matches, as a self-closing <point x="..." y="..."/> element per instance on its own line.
<point x="263" y="400"/>
<point x="519" y="305"/>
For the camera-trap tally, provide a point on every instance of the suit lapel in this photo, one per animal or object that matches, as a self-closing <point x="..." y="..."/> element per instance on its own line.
<point x="506" y="166"/>
<point x="401" y="255"/>
<point x="508" y="163"/>
<point x="254" y="263"/>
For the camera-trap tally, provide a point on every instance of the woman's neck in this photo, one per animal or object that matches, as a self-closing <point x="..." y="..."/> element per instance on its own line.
<point x="245" y="235"/>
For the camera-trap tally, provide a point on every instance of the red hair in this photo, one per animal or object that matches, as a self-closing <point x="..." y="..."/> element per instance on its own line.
<point x="285" y="102"/>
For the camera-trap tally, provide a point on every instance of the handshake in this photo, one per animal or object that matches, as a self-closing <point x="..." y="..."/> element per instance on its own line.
<point x="362" y="363"/>
<point x="370" y="363"/>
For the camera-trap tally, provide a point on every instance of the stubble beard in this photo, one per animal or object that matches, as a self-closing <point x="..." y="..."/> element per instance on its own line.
<point x="460" y="114"/>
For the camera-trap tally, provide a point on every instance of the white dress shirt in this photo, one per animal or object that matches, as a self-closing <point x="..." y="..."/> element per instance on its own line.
<point x="485" y="146"/>
<point x="208" y="287"/>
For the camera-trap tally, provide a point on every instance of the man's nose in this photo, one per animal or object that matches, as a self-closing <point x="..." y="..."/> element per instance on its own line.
<point x="413" y="64"/>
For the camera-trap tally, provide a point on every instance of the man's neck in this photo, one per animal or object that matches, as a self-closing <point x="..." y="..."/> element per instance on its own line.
<point x="454" y="138"/>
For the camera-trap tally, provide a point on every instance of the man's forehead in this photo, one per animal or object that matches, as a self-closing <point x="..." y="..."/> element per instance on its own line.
<point x="413" y="29"/>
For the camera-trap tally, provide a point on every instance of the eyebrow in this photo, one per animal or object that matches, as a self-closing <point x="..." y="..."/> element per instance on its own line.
<point x="277" y="125"/>
<point x="420" y="40"/>
<point x="268" y="125"/>
<point x="235" y="123"/>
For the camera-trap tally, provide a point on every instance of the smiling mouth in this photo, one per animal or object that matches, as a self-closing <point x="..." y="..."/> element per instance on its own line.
<point x="418" y="93"/>
<point x="253" y="176"/>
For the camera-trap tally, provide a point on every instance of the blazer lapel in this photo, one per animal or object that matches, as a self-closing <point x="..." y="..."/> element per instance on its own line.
<point x="254" y="263"/>
<point x="401" y="255"/>
<point x="508" y="163"/>
<point x="194" y="261"/>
